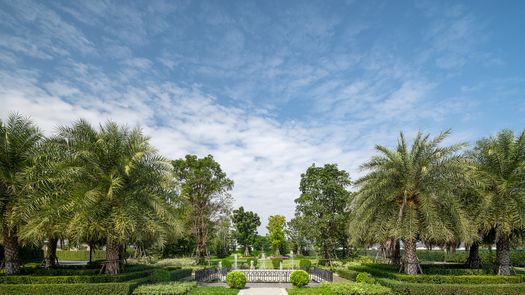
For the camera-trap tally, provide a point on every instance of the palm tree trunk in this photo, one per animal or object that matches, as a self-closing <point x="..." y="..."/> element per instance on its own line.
<point x="112" y="257"/>
<point x="503" y="255"/>
<point x="12" y="256"/>
<point x="410" y="260"/>
<point x="396" y="254"/>
<point x="474" y="261"/>
<point x="51" y="256"/>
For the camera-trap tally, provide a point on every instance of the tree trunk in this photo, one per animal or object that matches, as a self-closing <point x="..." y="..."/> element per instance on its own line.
<point x="410" y="262"/>
<point x="473" y="260"/>
<point x="246" y="250"/>
<point x="12" y="257"/>
<point x="396" y="254"/>
<point x="503" y="255"/>
<point x="277" y="251"/>
<point x="112" y="257"/>
<point x="90" y="252"/>
<point x="51" y="255"/>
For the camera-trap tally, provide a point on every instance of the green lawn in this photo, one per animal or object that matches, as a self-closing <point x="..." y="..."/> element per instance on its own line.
<point x="213" y="291"/>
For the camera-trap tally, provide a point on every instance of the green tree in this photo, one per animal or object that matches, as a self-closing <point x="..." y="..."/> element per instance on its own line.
<point x="246" y="223"/>
<point x="120" y="188"/>
<point x="276" y="230"/>
<point x="204" y="190"/>
<point x="298" y="232"/>
<point x="19" y="140"/>
<point x="410" y="193"/>
<point x="500" y="170"/>
<point x="323" y="202"/>
<point x="261" y="243"/>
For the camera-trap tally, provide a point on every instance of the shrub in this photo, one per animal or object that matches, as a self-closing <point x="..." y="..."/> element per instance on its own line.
<point x="160" y="275"/>
<point x="25" y="279"/>
<point x="72" y="289"/>
<point x="456" y="289"/>
<point x="166" y="288"/>
<point x="179" y="274"/>
<point x="356" y="288"/>
<point x="347" y="274"/>
<point x="80" y="255"/>
<point x="364" y="277"/>
<point x="299" y="278"/>
<point x="236" y="279"/>
<point x="276" y="262"/>
<point x="305" y="264"/>
<point x="226" y="263"/>
<point x="213" y="290"/>
<point x="310" y="291"/>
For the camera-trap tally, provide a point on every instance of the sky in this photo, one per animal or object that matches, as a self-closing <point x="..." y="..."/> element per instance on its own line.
<point x="268" y="87"/>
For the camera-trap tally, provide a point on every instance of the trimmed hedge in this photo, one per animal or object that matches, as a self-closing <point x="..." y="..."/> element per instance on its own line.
<point x="180" y="274"/>
<point x="276" y="263"/>
<point x="387" y="271"/>
<point x="25" y="279"/>
<point x="166" y="288"/>
<point x="305" y="264"/>
<point x="347" y="274"/>
<point x="236" y="279"/>
<point x="356" y="288"/>
<point x="72" y="289"/>
<point x="299" y="278"/>
<point x="80" y="255"/>
<point x="452" y="289"/>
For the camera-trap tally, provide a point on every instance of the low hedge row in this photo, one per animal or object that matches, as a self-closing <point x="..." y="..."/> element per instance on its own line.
<point x="79" y="279"/>
<point x="385" y="271"/>
<point x="347" y="274"/>
<point x="124" y="288"/>
<point x="452" y="289"/>
<point x="165" y="289"/>
<point x="180" y="274"/>
<point x="356" y="288"/>
<point x="80" y="255"/>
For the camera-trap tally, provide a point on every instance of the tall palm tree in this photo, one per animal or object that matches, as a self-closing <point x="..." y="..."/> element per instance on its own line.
<point x="410" y="194"/>
<point x="19" y="138"/>
<point x="500" y="171"/>
<point x="121" y="189"/>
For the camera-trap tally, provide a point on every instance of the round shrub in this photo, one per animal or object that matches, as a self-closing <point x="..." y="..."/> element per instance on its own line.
<point x="364" y="277"/>
<point x="160" y="275"/>
<point x="299" y="278"/>
<point x="305" y="264"/>
<point x="236" y="279"/>
<point x="276" y="262"/>
<point x="226" y="263"/>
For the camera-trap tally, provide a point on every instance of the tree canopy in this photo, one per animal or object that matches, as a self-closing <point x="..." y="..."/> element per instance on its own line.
<point x="276" y="230"/>
<point x="246" y="223"/>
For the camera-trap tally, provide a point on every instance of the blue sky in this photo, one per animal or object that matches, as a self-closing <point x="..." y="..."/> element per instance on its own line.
<point x="268" y="87"/>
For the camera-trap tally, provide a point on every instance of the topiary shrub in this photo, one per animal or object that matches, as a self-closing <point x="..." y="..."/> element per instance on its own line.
<point x="160" y="275"/>
<point x="364" y="277"/>
<point x="299" y="278"/>
<point x="276" y="262"/>
<point x="305" y="264"/>
<point x="236" y="279"/>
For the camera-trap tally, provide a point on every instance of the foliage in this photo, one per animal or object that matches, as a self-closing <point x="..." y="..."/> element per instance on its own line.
<point x="246" y="223"/>
<point x="276" y="224"/>
<point x="180" y="274"/>
<point x="165" y="289"/>
<point x="123" y="288"/>
<point x="80" y="255"/>
<point x="214" y="290"/>
<point x="323" y="205"/>
<point x="364" y="277"/>
<point x="262" y="243"/>
<point x="499" y="169"/>
<point x="236" y="279"/>
<point x="411" y="193"/>
<point x="223" y="241"/>
<point x="456" y="289"/>
<point x="226" y="263"/>
<point x="310" y="291"/>
<point x="19" y="142"/>
<point x="176" y="262"/>
<point x="305" y="264"/>
<point x="299" y="278"/>
<point x="255" y="261"/>
<point x="356" y="288"/>
<point x="159" y="275"/>
<point x="347" y="274"/>
<point x="30" y="279"/>
<point x="204" y="190"/>
<point x="276" y="262"/>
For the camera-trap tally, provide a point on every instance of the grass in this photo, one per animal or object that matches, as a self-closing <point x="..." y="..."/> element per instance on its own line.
<point x="171" y="288"/>
<point x="310" y="291"/>
<point x="213" y="291"/>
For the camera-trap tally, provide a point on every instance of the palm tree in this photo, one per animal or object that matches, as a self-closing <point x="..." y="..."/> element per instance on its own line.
<point x="121" y="187"/>
<point x="410" y="194"/>
<point x="500" y="170"/>
<point x="19" y="138"/>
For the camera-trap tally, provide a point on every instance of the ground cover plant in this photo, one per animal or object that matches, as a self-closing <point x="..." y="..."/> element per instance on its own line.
<point x="171" y="288"/>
